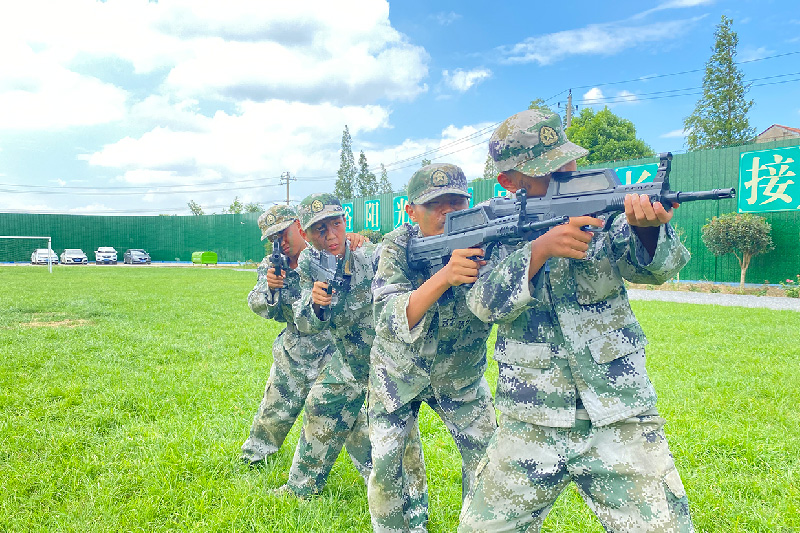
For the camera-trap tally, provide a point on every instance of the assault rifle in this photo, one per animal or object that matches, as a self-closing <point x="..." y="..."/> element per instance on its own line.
<point x="501" y="220"/>
<point x="324" y="267"/>
<point x="596" y="193"/>
<point x="599" y="192"/>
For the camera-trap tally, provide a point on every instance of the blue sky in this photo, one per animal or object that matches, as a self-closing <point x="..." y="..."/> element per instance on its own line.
<point x="137" y="107"/>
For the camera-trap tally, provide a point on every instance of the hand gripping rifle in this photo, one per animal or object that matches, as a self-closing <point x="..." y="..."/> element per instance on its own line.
<point x="599" y="192"/>
<point x="324" y="267"/>
<point x="505" y="220"/>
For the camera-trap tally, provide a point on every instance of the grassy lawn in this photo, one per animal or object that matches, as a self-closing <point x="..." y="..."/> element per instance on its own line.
<point x="125" y="394"/>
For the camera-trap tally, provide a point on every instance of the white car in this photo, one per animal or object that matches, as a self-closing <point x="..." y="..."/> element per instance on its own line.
<point x="39" y="257"/>
<point x="74" y="256"/>
<point x="106" y="255"/>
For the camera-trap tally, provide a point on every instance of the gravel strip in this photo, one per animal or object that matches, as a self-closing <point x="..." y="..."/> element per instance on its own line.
<point x="738" y="300"/>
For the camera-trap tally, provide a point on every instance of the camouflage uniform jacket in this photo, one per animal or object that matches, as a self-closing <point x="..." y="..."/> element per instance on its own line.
<point x="571" y="329"/>
<point x="446" y="350"/>
<point x="350" y="315"/>
<point x="277" y="305"/>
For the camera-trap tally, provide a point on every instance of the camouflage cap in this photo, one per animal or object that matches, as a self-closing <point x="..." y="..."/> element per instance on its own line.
<point x="532" y="142"/>
<point x="276" y="219"/>
<point x="432" y="181"/>
<point x="318" y="206"/>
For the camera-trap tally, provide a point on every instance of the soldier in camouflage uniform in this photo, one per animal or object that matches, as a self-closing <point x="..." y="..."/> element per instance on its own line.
<point x="429" y="348"/>
<point x="335" y="405"/>
<point x="576" y="401"/>
<point x="297" y="358"/>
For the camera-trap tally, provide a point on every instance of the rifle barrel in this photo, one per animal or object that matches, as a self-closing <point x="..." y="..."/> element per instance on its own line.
<point x="714" y="194"/>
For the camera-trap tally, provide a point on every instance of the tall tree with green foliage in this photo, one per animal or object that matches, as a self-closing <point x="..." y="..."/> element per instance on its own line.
<point x="489" y="170"/>
<point x="608" y="137"/>
<point x="253" y="207"/>
<point x="425" y="162"/>
<point x="384" y="186"/>
<point x="720" y="116"/>
<point x="195" y="208"/>
<point x="741" y="234"/>
<point x="367" y="183"/>
<point x="236" y="208"/>
<point x="346" y="175"/>
<point x="539" y="104"/>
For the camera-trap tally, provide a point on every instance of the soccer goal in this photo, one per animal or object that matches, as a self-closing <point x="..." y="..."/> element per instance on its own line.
<point x="16" y="251"/>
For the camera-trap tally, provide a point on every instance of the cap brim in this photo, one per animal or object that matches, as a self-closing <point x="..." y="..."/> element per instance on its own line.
<point x="276" y="228"/>
<point x="552" y="160"/>
<point x="436" y="193"/>
<point x="321" y="216"/>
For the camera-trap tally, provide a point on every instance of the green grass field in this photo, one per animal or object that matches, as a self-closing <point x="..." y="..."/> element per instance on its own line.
<point x="125" y="394"/>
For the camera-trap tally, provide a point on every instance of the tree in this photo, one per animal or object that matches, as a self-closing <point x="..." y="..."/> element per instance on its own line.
<point x="347" y="168"/>
<point x="720" y="116"/>
<point x="741" y="234"/>
<point x="235" y="208"/>
<point x="540" y="105"/>
<point x="489" y="170"/>
<point x="384" y="186"/>
<point x="254" y="207"/>
<point x="425" y="162"/>
<point x="195" y="208"/>
<point x="607" y="136"/>
<point x="366" y="181"/>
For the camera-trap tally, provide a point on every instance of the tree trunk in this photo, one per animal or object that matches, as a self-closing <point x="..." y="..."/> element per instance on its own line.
<point x="745" y="263"/>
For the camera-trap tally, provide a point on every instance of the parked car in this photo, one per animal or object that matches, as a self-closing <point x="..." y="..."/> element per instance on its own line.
<point x="39" y="257"/>
<point x="74" y="256"/>
<point x="106" y="255"/>
<point x="136" y="256"/>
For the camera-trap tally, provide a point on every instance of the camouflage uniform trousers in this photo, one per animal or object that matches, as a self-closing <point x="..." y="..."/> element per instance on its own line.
<point x="290" y="379"/>
<point x="624" y="471"/>
<point x="335" y="416"/>
<point x="389" y="432"/>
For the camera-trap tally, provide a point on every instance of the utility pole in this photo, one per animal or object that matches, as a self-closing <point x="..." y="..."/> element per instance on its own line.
<point x="569" y="109"/>
<point x="288" y="177"/>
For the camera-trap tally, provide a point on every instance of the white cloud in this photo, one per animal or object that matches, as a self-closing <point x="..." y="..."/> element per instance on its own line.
<point x="675" y="134"/>
<point x="445" y="19"/>
<point x="462" y="80"/>
<point x="595" y="39"/>
<point x="593" y="95"/>
<point x="263" y="140"/>
<point x="749" y="54"/>
<point x="39" y="94"/>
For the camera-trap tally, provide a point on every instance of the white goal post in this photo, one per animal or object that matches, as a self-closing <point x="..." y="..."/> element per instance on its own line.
<point x="49" y="247"/>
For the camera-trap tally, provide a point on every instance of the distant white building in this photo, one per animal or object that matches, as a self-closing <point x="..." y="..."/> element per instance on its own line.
<point x="776" y="132"/>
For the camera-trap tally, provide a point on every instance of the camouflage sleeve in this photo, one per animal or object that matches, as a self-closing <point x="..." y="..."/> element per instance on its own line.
<point x="261" y="299"/>
<point x="635" y="263"/>
<point x="304" y="316"/>
<point x="504" y="292"/>
<point x="391" y="290"/>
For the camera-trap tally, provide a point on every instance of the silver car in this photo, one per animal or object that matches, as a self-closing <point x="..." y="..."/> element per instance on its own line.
<point x="74" y="256"/>
<point x="39" y="257"/>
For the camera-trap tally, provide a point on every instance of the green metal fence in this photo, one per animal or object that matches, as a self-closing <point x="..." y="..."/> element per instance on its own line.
<point x="166" y="238"/>
<point x="237" y="237"/>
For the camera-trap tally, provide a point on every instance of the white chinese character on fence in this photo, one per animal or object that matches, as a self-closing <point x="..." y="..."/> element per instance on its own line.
<point x="372" y="215"/>
<point x="776" y="171"/>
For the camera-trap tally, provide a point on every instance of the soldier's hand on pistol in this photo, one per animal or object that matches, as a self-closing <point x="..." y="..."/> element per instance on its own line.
<point x="566" y="240"/>
<point x="319" y="294"/>
<point x="643" y="214"/>
<point x="461" y="268"/>
<point x="274" y="282"/>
